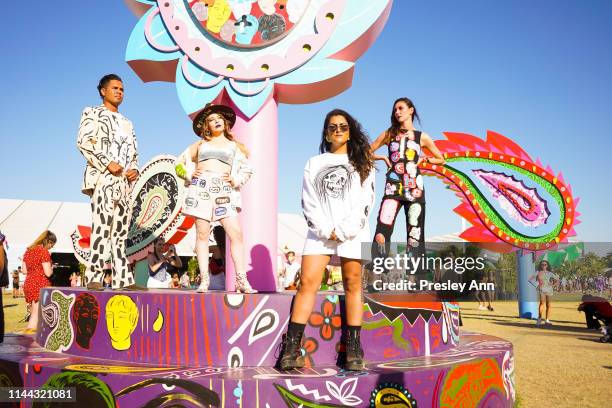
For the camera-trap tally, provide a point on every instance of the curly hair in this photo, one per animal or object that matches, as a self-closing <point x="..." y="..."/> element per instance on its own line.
<point x="358" y="146"/>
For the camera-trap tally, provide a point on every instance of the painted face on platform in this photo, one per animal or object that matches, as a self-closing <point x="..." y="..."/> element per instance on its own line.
<point x="121" y="320"/>
<point x="200" y="10"/>
<point x="228" y="30"/>
<point x="218" y="14"/>
<point x="240" y="7"/>
<point x="338" y="131"/>
<point x="267" y="6"/>
<point x="113" y="92"/>
<point x="295" y="9"/>
<point x="271" y="27"/>
<point x="246" y="28"/>
<point x="85" y="317"/>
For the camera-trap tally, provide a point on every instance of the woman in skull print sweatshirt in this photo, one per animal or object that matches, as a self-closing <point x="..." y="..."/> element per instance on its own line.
<point x="337" y="198"/>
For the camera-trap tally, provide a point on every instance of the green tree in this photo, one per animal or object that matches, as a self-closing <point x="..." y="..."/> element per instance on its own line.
<point x="591" y="265"/>
<point x="587" y="266"/>
<point x="567" y="269"/>
<point x="608" y="259"/>
<point x="82" y="269"/>
<point x="192" y="268"/>
<point x="507" y="267"/>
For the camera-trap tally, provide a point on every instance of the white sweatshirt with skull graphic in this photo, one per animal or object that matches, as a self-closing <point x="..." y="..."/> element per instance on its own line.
<point x="334" y="199"/>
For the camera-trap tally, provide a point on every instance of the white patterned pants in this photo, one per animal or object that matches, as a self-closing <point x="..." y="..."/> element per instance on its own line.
<point x="111" y="214"/>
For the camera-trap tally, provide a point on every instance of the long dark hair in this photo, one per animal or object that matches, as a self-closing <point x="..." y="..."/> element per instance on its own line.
<point x="155" y="241"/>
<point x="395" y="125"/>
<point x="359" y="152"/>
<point x="547" y="266"/>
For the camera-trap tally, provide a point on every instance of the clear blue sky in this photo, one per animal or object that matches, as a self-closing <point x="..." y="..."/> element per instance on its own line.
<point x="538" y="72"/>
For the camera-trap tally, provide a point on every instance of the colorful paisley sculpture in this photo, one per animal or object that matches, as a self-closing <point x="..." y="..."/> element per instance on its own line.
<point x="509" y="198"/>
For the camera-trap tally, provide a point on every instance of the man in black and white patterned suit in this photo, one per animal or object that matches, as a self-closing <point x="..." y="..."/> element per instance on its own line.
<point x="107" y="140"/>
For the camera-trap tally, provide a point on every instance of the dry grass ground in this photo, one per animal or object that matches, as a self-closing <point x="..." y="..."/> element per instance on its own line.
<point x="14" y="311"/>
<point x="562" y="365"/>
<point x="558" y="366"/>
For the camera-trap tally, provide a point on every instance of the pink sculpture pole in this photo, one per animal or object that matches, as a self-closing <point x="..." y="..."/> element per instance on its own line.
<point x="259" y="197"/>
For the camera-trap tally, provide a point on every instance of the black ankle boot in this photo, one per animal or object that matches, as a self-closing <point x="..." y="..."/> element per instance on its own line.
<point x="354" y="352"/>
<point x="291" y="352"/>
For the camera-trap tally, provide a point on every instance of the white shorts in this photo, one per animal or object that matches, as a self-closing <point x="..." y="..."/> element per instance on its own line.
<point x="157" y="284"/>
<point x="546" y="291"/>
<point x="210" y="198"/>
<point x="348" y="249"/>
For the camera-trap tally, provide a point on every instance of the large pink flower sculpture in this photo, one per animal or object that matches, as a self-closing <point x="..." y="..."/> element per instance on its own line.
<point x="252" y="55"/>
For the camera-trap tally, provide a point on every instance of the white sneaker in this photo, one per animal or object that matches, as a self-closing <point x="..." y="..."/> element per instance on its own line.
<point x="539" y="322"/>
<point x="548" y="322"/>
<point x="481" y="307"/>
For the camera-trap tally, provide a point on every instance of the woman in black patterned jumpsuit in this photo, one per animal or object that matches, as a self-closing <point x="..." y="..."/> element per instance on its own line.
<point x="404" y="182"/>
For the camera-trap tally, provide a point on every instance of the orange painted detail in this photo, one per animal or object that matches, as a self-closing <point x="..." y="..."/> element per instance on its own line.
<point x="206" y="337"/>
<point x="177" y="335"/>
<point x="193" y="324"/>
<point x="167" y="331"/>
<point x="390" y="352"/>
<point x="466" y="384"/>
<point x="212" y="299"/>
<point x="185" y="331"/>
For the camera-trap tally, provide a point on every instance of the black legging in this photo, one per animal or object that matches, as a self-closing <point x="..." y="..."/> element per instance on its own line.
<point x="415" y="228"/>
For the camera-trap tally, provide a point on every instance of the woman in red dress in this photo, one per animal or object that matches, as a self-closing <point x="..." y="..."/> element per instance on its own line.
<point x="38" y="269"/>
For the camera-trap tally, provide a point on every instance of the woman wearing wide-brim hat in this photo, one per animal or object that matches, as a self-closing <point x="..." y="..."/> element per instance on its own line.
<point x="220" y="169"/>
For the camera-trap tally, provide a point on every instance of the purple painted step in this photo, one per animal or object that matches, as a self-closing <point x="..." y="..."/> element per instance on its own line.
<point x="479" y="372"/>
<point x="218" y="329"/>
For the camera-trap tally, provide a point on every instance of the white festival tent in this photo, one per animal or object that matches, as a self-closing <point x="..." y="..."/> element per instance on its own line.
<point x="23" y="220"/>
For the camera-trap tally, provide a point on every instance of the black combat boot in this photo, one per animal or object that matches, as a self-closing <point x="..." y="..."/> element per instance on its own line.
<point x="354" y="352"/>
<point x="291" y="352"/>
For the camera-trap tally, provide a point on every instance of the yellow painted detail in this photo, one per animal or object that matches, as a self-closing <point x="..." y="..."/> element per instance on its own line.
<point x="159" y="322"/>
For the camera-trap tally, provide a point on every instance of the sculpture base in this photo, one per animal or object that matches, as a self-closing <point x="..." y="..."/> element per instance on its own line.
<point x="221" y="329"/>
<point x="479" y="372"/>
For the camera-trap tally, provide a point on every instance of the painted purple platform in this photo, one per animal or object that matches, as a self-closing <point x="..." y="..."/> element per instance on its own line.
<point x="219" y="329"/>
<point x="479" y="372"/>
<point x="183" y="349"/>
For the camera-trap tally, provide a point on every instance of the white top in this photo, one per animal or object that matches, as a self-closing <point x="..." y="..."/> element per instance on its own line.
<point x="334" y="199"/>
<point x="290" y="271"/>
<point x="105" y="136"/>
<point x="545" y="279"/>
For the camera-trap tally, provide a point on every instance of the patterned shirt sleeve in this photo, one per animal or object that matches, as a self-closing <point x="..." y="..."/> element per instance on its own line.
<point x="133" y="163"/>
<point x="86" y="141"/>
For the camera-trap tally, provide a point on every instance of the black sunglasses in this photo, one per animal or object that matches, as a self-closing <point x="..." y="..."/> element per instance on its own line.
<point x="344" y="127"/>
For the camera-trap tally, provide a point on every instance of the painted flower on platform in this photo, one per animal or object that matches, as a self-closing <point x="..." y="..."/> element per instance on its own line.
<point x="327" y="321"/>
<point x="308" y="349"/>
<point x="344" y="392"/>
<point x="253" y="51"/>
